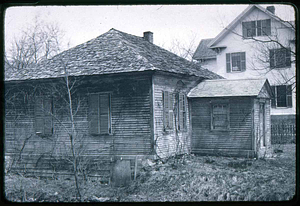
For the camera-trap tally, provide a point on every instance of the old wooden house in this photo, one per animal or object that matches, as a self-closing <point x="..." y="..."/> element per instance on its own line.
<point x="231" y="117"/>
<point x="122" y="96"/>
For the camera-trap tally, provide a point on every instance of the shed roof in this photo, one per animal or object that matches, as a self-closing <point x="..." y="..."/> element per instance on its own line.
<point x="112" y="52"/>
<point x="203" y="52"/>
<point x="230" y="88"/>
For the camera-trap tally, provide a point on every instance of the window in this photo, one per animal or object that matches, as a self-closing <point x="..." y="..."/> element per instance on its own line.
<point x="220" y="117"/>
<point x="169" y="104"/>
<point x="181" y="101"/>
<point x="100" y="113"/>
<point x="256" y="28"/>
<point x="282" y="96"/>
<point x="43" y="115"/>
<point x="280" y="58"/>
<point x="236" y="62"/>
<point x="167" y="110"/>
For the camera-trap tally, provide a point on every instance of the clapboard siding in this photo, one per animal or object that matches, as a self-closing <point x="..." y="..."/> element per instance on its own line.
<point x="165" y="141"/>
<point x="131" y="117"/>
<point x="238" y="137"/>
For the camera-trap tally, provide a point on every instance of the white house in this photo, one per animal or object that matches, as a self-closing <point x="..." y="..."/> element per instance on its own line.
<point x="256" y="44"/>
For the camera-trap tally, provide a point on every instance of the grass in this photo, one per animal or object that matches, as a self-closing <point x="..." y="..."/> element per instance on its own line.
<point x="192" y="178"/>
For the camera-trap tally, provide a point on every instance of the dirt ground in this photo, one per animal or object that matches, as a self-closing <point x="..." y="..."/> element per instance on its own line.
<point x="186" y="178"/>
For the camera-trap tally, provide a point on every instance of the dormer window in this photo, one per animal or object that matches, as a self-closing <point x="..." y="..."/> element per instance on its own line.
<point x="256" y="28"/>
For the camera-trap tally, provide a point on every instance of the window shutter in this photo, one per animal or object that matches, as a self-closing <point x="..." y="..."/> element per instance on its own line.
<point x="243" y="61"/>
<point x="266" y="25"/>
<point x="244" y="25"/>
<point x="181" y="112"/>
<point x="272" y="58"/>
<point x="273" y="99"/>
<point x="171" y="113"/>
<point x="104" y="113"/>
<point x="94" y="114"/>
<point x="288" y="57"/>
<point x="184" y="118"/>
<point x="171" y="119"/>
<point x="165" y="109"/>
<point x="258" y="25"/>
<point x="253" y="29"/>
<point x="39" y="115"/>
<point x="289" y="96"/>
<point x="228" y="65"/>
<point x="47" y="102"/>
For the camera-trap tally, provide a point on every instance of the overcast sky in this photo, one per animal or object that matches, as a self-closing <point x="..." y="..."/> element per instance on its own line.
<point x="167" y="22"/>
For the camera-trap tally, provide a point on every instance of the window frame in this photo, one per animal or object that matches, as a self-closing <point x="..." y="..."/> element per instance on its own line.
<point x="168" y="113"/>
<point x="227" y="116"/>
<point x="286" y="52"/>
<point x="288" y="96"/>
<point x="109" y="114"/>
<point x="261" y="27"/>
<point x="242" y="62"/>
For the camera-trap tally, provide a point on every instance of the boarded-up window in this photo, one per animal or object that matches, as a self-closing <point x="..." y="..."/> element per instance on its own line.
<point x="100" y="113"/>
<point x="236" y="62"/>
<point x="168" y="115"/>
<point x="282" y="96"/>
<point x="220" y="117"/>
<point x="181" y="111"/>
<point x="43" y="115"/>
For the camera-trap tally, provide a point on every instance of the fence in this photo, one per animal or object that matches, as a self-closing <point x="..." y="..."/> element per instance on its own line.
<point x="283" y="133"/>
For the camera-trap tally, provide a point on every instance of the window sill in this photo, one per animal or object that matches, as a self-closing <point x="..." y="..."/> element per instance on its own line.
<point x="236" y="72"/>
<point x="220" y="130"/>
<point x="280" y="68"/>
<point x="282" y="107"/>
<point x="43" y="135"/>
<point x="104" y="134"/>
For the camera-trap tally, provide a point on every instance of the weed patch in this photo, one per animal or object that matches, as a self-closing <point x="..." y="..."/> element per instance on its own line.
<point x="190" y="178"/>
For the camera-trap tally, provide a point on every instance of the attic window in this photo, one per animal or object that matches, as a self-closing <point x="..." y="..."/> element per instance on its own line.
<point x="256" y="28"/>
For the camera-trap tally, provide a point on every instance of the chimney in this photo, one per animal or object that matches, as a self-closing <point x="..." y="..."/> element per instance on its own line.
<point x="148" y="36"/>
<point x="271" y="9"/>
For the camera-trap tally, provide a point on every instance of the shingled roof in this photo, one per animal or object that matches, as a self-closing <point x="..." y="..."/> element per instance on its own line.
<point x="229" y="88"/>
<point x="112" y="52"/>
<point x="203" y="52"/>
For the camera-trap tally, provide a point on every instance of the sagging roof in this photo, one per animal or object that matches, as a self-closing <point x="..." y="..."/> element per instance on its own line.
<point x="112" y="52"/>
<point x="230" y="88"/>
<point x="203" y="52"/>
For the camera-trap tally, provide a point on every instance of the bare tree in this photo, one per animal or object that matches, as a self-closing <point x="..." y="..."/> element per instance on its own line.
<point x="184" y="50"/>
<point x="274" y="46"/>
<point x="38" y="41"/>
